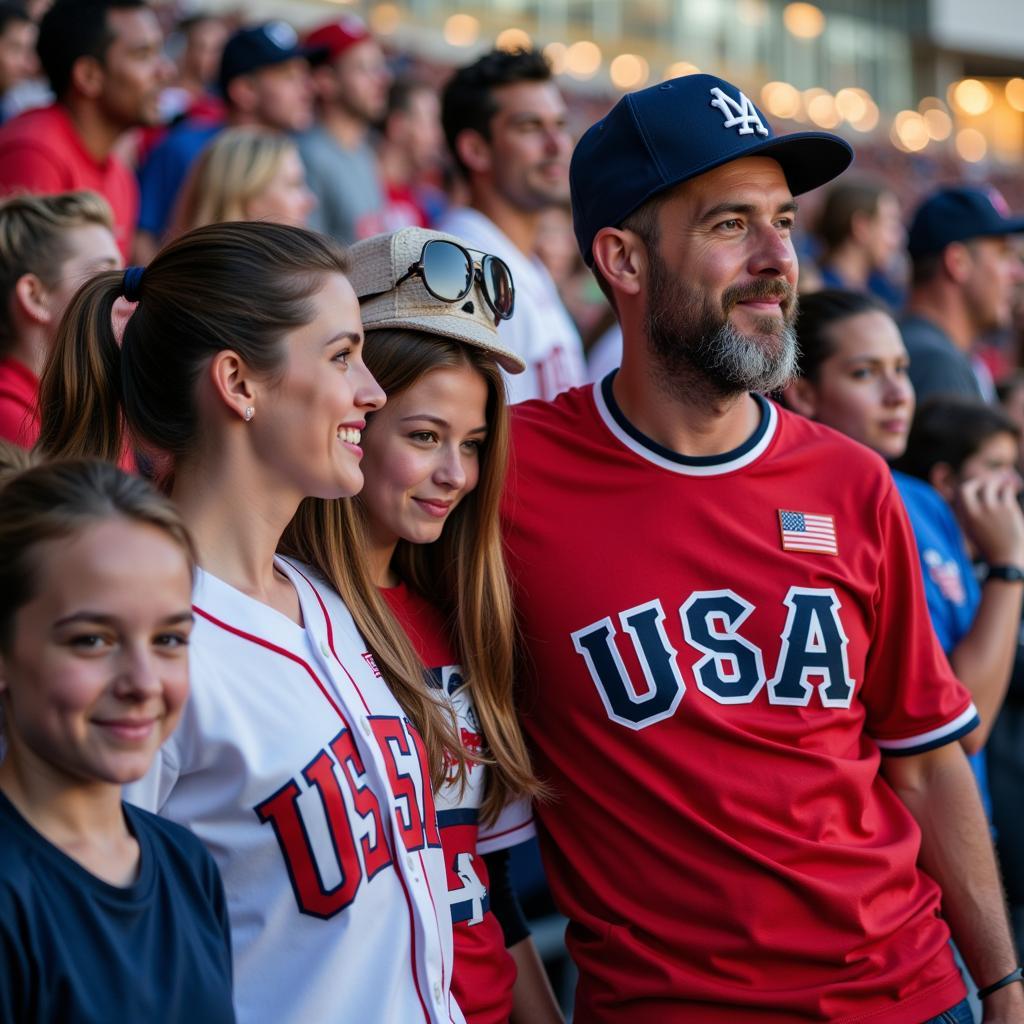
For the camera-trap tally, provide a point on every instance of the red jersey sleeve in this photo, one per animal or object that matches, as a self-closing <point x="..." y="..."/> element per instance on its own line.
<point x="913" y="701"/>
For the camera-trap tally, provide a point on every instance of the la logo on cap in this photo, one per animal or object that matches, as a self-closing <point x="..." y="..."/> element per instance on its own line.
<point x="741" y="114"/>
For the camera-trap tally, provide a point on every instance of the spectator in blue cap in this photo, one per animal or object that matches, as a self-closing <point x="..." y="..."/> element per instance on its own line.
<point x="732" y="684"/>
<point x="264" y="78"/>
<point x="964" y="272"/>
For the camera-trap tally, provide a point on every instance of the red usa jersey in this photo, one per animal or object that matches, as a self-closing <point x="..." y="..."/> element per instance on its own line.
<point x="484" y="970"/>
<point x="297" y="768"/>
<point x="710" y="694"/>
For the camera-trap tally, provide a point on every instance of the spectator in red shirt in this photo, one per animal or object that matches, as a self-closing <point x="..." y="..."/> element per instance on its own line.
<point x="49" y="247"/>
<point x="105" y="63"/>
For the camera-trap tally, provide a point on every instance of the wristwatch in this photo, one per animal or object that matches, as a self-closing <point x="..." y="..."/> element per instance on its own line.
<point x="1007" y="573"/>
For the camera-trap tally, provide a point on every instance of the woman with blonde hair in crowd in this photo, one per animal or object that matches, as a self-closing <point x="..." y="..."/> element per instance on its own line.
<point x="435" y="463"/>
<point x="306" y="752"/>
<point x="106" y="912"/>
<point x="245" y="174"/>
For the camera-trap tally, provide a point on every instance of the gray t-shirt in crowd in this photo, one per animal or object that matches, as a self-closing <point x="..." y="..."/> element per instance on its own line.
<point x="346" y="183"/>
<point x="937" y="366"/>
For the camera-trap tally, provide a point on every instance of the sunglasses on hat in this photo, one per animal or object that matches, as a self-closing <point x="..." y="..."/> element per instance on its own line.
<point x="448" y="272"/>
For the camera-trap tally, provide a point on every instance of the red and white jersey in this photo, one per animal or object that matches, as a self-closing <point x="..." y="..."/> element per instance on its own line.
<point x="484" y="971"/>
<point x="297" y="768"/>
<point x="540" y="331"/>
<point x="722" y="648"/>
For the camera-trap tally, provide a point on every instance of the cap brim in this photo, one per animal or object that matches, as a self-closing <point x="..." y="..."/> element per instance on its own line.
<point x="458" y="329"/>
<point x="808" y="159"/>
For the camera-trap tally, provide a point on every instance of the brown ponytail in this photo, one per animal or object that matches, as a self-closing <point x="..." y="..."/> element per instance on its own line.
<point x="80" y="389"/>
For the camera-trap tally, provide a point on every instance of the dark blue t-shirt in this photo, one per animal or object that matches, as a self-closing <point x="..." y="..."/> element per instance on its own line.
<point x="77" y="950"/>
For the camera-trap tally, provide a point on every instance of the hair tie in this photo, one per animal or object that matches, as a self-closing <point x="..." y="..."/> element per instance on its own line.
<point x="132" y="282"/>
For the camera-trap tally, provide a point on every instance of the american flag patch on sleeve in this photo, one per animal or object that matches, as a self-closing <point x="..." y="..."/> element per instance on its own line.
<point x="802" y="531"/>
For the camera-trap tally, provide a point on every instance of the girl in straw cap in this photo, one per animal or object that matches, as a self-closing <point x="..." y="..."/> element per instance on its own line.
<point x="435" y="461"/>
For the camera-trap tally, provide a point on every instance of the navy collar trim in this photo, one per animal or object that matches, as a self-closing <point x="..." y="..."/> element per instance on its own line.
<point x="688" y="465"/>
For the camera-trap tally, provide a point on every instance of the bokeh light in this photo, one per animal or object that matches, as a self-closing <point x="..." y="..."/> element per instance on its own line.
<point x="582" y="59"/>
<point x="781" y="99"/>
<point x="461" y="30"/>
<point x="628" y="71"/>
<point x="938" y="123"/>
<point x="512" y="39"/>
<point x="823" y="112"/>
<point x="805" y="21"/>
<point x="971" y="96"/>
<point x="1015" y="93"/>
<point x="555" y="54"/>
<point x="971" y="145"/>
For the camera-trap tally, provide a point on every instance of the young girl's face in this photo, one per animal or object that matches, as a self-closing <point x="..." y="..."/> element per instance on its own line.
<point x="863" y="389"/>
<point x="422" y="454"/>
<point x="96" y="672"/>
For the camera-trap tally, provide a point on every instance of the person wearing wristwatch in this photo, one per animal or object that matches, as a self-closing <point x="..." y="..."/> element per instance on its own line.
<point x="968" y="452"/>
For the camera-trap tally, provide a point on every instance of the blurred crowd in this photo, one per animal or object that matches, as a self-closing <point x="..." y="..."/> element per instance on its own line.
<point x="123" y="128"/>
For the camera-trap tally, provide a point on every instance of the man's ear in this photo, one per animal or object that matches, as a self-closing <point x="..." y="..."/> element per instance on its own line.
<point x="32" y="299"/>
<point x="621" y="257"/>
<point x="801" y="396"/>
<point x="241" y="93"/>
<point x="233" y="382"/>
<point x="943" y="478"/>
<point x="474" y="151"/>
<point x="957" y="261"/>
<point x="87" y="77"/>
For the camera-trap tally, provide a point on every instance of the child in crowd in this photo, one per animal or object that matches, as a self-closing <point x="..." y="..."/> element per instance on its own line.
<point x="435" y="464"/>
<point x="106" y="912"/>
<point x="304" y="756"/>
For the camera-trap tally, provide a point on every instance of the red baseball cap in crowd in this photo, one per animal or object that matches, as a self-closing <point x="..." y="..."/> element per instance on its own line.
<point x="334" y="38"/>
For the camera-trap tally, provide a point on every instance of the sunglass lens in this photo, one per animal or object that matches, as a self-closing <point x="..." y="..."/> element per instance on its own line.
<point x="446" y="270"/>
<point x="498" y="285"/>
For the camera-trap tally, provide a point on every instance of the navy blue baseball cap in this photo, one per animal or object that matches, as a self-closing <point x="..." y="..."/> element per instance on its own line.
<point x="668" y="133"/>
<point x="260" y="46"/>
<point x="957" y="214"/>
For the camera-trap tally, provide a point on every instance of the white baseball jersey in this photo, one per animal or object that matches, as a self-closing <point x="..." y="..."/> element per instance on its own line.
<point x="297" y="768"/>
<point x="540" y="330"/>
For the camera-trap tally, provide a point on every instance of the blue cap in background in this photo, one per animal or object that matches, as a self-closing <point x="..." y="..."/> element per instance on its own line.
<point x="260" y="46"/>
<point x="668" y="133"/>
<point x="955" y="215"/>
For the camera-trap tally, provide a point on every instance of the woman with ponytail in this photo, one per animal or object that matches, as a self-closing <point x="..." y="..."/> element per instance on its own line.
<point x="435" y="464"/>
<point x="305" y="754"/>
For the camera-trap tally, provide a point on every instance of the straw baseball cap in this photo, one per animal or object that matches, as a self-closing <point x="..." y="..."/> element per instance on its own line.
<point x="378" y="262"/>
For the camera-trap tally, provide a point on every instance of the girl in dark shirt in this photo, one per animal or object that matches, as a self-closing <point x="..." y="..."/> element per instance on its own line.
<point x="106" y="912"/>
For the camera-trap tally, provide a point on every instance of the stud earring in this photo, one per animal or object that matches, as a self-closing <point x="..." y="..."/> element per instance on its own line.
<point x="249" y="413"/>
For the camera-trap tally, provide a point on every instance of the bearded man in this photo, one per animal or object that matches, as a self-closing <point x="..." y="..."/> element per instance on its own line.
<point x="760" y="805"/>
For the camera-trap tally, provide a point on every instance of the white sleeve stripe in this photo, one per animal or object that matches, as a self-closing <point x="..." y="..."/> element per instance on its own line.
<point x="932" y="735"/>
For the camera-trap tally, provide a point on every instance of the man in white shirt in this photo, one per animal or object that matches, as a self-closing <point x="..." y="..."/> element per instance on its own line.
<point x="504" y="120"/>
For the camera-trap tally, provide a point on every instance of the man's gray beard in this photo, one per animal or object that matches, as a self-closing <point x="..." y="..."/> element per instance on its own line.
<point x="697" y="350"/>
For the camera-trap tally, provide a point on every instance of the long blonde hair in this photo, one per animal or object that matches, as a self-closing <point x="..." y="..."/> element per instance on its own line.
<point x="239" y="285"/>
<point x="463" y="572"/>
<point x="230" y="172"/>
